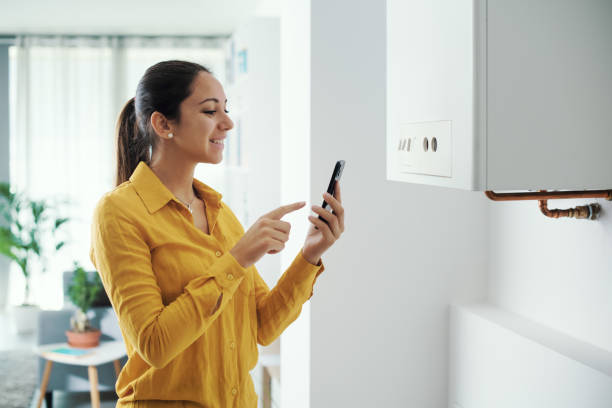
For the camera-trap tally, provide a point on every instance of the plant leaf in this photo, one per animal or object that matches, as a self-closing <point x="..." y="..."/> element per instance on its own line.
<point x="5" y="191"/>
<point x="34" y="246"/>
<point x="60" y="221"/>
<point x="8" y="241"/>
<point x="38" y="207"/>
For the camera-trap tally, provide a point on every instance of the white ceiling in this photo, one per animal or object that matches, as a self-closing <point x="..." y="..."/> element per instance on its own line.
<point x="145" y="17"/>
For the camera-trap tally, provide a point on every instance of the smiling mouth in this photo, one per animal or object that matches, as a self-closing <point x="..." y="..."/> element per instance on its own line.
<point x="220" y="142"/>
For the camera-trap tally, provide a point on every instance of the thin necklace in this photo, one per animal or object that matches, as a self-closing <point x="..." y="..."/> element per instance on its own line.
<point x="188" y="204"/>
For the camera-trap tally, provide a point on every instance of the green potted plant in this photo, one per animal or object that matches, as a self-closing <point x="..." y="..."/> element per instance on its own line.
<point x="83" y="293"/>
<point x="25" y="225"/>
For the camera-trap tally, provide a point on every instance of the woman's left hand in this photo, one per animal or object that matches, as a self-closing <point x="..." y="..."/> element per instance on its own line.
<point x="319" y="239"/>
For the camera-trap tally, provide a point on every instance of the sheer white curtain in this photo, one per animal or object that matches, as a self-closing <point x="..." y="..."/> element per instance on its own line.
<point x="66" y="93"/>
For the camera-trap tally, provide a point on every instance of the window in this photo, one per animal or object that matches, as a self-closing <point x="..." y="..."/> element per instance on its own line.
<point x="65" y="96"/>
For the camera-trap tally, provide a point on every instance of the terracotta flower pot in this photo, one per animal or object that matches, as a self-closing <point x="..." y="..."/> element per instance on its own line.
<point x="84" y="340"/>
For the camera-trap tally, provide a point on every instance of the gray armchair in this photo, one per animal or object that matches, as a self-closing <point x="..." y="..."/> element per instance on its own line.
<point x="52" y="325"/>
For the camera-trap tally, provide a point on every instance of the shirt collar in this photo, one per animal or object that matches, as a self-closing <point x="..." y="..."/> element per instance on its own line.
<point x="155" y="194"/>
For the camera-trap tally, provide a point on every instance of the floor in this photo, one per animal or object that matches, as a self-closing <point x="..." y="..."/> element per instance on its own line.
<point x="78" y="400"/>
<point x="9" y="340"/>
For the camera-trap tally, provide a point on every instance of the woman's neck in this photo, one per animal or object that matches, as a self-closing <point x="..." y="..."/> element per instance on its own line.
<point x="177" y="177"/>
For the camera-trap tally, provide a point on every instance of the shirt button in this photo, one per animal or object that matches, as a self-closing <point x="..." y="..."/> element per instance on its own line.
<point x="234" y="391"/>
<point x="218" y="253"/>
<point x="230" y="276"/>
<point x="232" y="345"/>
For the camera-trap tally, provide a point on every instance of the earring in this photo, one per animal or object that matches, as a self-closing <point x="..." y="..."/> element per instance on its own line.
<point x="170" y="135"/>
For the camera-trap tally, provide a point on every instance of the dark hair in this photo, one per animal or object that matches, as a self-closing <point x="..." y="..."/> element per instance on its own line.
<point x="162" y="88"/>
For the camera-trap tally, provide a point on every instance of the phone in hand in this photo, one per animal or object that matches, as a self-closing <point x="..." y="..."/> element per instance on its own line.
<point x="331" y="189"/>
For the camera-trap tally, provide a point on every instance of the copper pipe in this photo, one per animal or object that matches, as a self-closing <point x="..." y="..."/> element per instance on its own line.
<point x="584" y="211"/>
<point x="589" y="211"/>
<point x="549" y="195"/>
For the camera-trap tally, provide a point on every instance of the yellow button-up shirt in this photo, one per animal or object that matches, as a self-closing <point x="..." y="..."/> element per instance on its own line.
<point x="165" y="277"/>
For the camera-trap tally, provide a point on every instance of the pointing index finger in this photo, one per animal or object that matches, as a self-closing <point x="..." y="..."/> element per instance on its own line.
<point x="283" y="210"/>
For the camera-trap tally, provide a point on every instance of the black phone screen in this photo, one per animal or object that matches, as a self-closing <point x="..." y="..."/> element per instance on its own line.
<point x="331" y="189"/>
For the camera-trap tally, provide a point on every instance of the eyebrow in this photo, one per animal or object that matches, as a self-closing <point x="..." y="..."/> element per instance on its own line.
<point x="211" y="99"/>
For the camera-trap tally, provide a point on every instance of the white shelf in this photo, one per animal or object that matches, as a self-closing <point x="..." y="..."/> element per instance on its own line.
<point x="503" y="360"/>
<point x="570" y="347"/>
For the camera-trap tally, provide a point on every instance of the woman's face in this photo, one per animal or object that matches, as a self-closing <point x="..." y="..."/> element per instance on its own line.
<point x="204" y="118"/>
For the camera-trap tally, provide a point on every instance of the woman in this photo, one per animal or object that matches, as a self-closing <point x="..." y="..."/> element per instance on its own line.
<point x="177" y="264"/>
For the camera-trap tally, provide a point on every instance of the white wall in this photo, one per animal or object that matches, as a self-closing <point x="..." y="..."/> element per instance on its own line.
<point x="261" y="124"/>
<point x="259" y="91"/>
<point x="4" y="156"/>
<point x="376" y="332"/>
<point x="295" y="182"/>
<point x="551" y="274"/>
<point x="379" y="314"/>
<point x="557" y="272"/>
<point x="545" y="340"/>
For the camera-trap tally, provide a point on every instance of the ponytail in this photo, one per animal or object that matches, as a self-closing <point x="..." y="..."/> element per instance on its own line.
<point x="131" y="147"/>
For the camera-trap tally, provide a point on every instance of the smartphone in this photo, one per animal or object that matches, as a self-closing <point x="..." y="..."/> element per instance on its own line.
<point x="331" y="189"/>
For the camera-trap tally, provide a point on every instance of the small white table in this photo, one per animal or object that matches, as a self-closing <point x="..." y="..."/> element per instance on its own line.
<point x="106" y="352"/>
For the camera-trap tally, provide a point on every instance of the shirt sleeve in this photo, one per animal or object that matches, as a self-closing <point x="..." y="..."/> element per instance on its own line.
<point x="279" y="307"/>
<point x="158" y="332"/>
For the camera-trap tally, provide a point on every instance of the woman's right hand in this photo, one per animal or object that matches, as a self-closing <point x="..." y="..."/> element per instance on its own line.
<point x="267" y="235"/>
